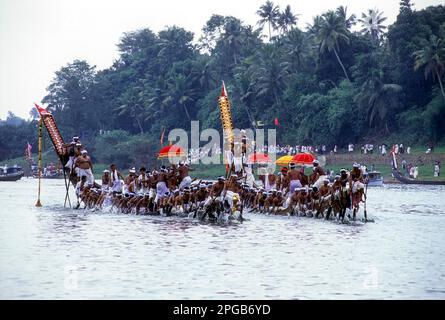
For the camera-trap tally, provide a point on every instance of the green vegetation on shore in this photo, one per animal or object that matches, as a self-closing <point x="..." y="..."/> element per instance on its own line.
<point x="327" y="84"/>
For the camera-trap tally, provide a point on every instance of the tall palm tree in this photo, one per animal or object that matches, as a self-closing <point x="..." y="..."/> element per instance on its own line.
<point x="349" y="21"/>
<point x="133" y="106"/>
<point x="432" y="57"/>
<point x="331" y="33"/>
<point x="379" y="99"/>
<point x="203" y="73"/>
<point x="287" y="19"/>
<point x="179" y="93"/>
<point x="295" y="47"/>
<point x="270" y="14"/>
<point x="372" y="24"/>
<point x="245" y="87"/>
<point x="233" y="38"/>
<point x="271" y="75"/>
<point x="315" y="27"/>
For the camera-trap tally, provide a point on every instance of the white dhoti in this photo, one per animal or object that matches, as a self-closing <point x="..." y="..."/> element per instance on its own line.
<point x="250" y="179"/>
<point x="143" y="191"/>
<point x="238" y="164"/>
<point x="151" y="193"/>
<point x="161" y="190"/>
<point x="117" y="186"/>
<point x="185" y="182"/>
<point x="70" y="163"/>
<point x="294" y="184"/>
<point x="86" y="173"/>
<point x="231" y="196"/>
<point x="357" y="185"/>
<point x="319" y="182"/>
<point x="287" y="202"/>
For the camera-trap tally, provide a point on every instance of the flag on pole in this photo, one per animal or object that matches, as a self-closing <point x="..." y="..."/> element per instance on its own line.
<point x="42" y="111"/>
<point x="28" y="151"/>
<point x="162" y="136"/>
<point x="223" y="90"/>
<point x="29" y="148"/>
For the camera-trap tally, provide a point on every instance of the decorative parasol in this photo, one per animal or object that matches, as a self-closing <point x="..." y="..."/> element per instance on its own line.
<point x="284" y="161"/>
<point x="303" y="158"/>
<point x="259" y="158"/>
<point x="170" y="152"/>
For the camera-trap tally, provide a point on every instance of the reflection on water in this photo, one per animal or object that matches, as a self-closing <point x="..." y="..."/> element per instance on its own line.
<point x="52" y="252"/>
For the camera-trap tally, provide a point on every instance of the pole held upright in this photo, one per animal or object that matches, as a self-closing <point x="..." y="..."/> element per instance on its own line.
<point x="38" y="203"/>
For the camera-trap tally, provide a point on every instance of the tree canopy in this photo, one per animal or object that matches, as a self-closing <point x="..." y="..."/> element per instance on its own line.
<point x="327" y="84"/>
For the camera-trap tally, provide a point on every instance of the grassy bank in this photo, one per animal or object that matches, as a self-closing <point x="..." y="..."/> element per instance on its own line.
<point x="426" y="171"/>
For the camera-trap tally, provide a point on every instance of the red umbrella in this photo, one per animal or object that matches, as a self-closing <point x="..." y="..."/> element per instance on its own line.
<point x="303" y="158"/>
<point x="171" y="151"/>
<point x="259" y="158"/>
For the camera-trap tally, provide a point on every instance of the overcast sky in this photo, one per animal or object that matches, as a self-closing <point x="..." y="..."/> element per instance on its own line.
<point x="40" y="36"/>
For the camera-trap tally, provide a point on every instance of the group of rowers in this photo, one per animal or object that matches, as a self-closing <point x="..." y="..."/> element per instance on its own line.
<point x="170" y="190"/>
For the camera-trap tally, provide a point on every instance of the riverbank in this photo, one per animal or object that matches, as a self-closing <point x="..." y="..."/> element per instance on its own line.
<point x="425" y="163"/>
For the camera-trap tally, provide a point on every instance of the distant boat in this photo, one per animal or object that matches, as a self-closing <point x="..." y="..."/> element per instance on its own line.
<point x="401" y="178"/>
<point x="375" y="179"/>
<point x="406" y="180"/>
<point x="11" y="173"/>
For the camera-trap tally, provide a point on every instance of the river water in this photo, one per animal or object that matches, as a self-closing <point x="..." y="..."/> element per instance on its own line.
<point x="57" y="253"/>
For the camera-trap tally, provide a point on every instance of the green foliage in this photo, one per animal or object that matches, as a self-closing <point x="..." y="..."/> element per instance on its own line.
<point x="125" y="150"/>
<point x="326" y="85"/>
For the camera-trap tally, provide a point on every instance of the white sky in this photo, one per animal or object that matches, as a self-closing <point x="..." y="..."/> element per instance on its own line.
<point x="40" y="36"/>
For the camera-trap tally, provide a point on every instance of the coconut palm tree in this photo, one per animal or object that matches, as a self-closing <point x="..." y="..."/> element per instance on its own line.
<point x="342" y="12"/>
<point x="432" y="57"/>
<point x="295" y="46"/>
<point x="314" y="28"/>
<point x="372" y="24"/>
<point x="133" y="108"/>
<point x="270" y="14"/>
<point x="270" y="75"/>
<point x="232" y="38"/>
<point x="287" y="19"/>
<point x="331" y="33"/>
<point x="379" y="100"/>
<point x="179" y="93"/>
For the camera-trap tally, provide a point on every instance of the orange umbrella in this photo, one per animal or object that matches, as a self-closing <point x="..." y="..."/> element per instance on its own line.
<point x="171" y="151"/>
<point x="303" y="158"/>
<point x="259" y="158"/>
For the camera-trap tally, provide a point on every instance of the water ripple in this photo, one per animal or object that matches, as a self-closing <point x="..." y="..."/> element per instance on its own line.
<point x="54" y="252"/>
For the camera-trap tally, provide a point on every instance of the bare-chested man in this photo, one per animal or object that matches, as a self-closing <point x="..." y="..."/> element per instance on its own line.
<point x="294" y="201"/>
<point x="116" y="178"/>
<point x="161" y="186"/>
<point x="84" y="168"/>
<point x="201" y="196"/>
<point x="319" y="174"/>
<point x="294" y="178"/>
<point x="231" y="191"/>
<point x="269" y="200"/>
<point x="106" y="179"/>
<point x="184" y="176"/>
<point x="278" y="202"/>
<point x="142" y="181"/>
<point x="357" y="187"/>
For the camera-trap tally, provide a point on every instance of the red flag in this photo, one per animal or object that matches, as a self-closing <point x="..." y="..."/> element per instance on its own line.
<point x="223" y="90"/>
<point x="42" y="111"/>
<point x="276" y="122"/>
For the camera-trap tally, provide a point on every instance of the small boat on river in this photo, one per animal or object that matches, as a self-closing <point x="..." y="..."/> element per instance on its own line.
<point x="375" y="179"/>
<point x="13" y="173"/>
